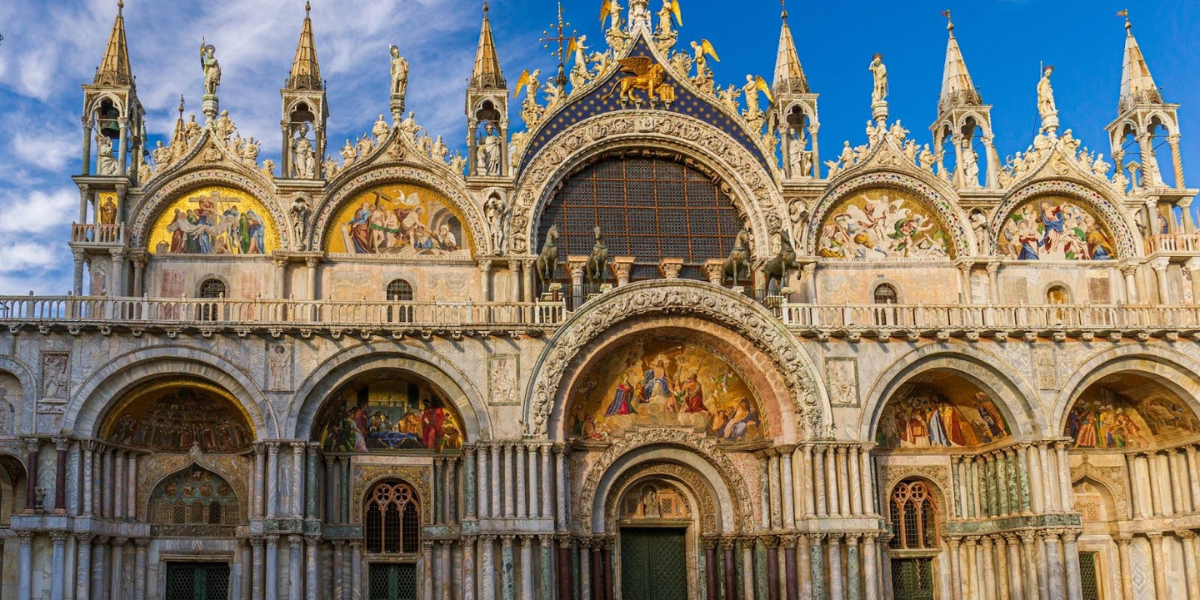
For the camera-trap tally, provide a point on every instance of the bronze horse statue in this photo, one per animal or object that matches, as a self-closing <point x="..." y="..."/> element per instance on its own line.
<point x="597" y="264"/>
<point x="547" y="260"/>
<point x="779" y="268"/>
<point x="737" y="265"/>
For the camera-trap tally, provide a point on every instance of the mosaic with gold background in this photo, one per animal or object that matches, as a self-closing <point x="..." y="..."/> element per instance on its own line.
<point x="214" y="220"/>
<point x="401" y="221"/>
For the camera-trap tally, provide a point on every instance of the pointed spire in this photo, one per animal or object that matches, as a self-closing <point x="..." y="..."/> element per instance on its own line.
<point x="114" y="68"/>
<point x="957" y="87"/>
<point x="789" y="76"/>
<point x="179" y="137"/>
<point x="306" y="71"/>
<point x="487" y="66"/>
<point x="1137" y="85"/>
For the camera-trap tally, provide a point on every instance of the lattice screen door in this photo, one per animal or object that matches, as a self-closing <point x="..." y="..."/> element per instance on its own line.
<point x="654" y="564"/>
<point x="197" y="581"/>
<point x="397" y="581"/>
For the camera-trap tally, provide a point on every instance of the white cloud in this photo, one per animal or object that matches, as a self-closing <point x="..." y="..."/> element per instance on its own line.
<point x="48" y="149"/>
<point x="35" y="212"/>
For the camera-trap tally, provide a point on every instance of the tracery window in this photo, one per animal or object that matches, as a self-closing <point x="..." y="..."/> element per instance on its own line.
<point x="392" y="519"/>
<point x="913" y="516"/>
<point x="647" y="207"/>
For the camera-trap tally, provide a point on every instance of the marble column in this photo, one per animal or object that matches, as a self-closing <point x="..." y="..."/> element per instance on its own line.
<point x="1193" y="468"/>
<point x="344" y="488"/>
<point x="561" y="487"/>
<point x="1071" y="565"/>
<point x="295" y="566"/>
<point x="100" y="570"/>
<point x="356" y="569"/>
<point x="339" y="570"/>
<point x="791" y="580"/>
<point x="25" y="566"/>
<point x="585" y="569"/>
<point x="468" y="567"/>
<point x="256" y="568"/>
<point x="139" y="568"/>
<point x="818" y="479"/>
<point x="57" y="564"/>
<point x="843" y="481"/>
<point x="954" y="545"/>
<point x="817" y="562"/>
<point x="970" y="573"/>
<point x="832" y="495"/>
<point x="989" y="570"/>
<point x="867" y="472"/>
<point x="507" y="585"/>
<point x="1191" y="570"/>
<point x="806" y="467"/>
<point x="131" y="488"/>
<point x="312" y="496"/>
<point x="527" y="586"/>
<point x="116" y="561"/>
<point x="272" y="479"/>
<point x="298" y="478"/>
<point x="870" y="572"/>
<point x="535" y="494"/>
<point x="837" y="589"/>
<point x="510" y="489"/>
<point x="730" y="577"/>
<point x="272" y="570"/>
<point x="1015" y="574"/>
<point x="1123" y="540"/>
<point x="710" y="569"/>
<point x="853" y="579"/>
<point x="547" y="483"/>
<point x="83" y="566"/>
<point x="494" y="463"/>
<point x="312" y="564"/>
<point x="1064" y="476"/>
<point x="119" y="463"/>
<point x="259" y="481"/>
<point x="425" y="570"/>
<point x="565" y="575"/>
<point x="1159" y="565"/>
<point x="546" y="564"/>
<point x="444" y="571"/>
<point x="487" y="567"/>
<point x="1003" y="582"/>
<point x="856" y="496"/>
<point x="482" y="496"/>
<point x="1053" y="560"/>
<point x="520" y="462"/>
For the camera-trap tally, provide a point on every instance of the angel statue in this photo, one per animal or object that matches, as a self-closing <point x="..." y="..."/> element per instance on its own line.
<point x="399" y="73"/>
<point x="611" y="9"/>
<point x="754" y="85"/>
<point x="580" y="72"/>
<point x="212" y="68"/>
<point x="670" y="7"/>
<point x="639" y="12"/>
<point x="700" y="50"/>
<point x="530" y="110"/>
<point x="879" y="70"/>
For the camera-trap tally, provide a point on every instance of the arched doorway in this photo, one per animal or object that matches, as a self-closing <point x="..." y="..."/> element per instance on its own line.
<point x="655" y="520"/>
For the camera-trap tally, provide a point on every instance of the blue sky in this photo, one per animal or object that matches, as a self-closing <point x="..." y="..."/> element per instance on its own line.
<point x="51" y="47"/>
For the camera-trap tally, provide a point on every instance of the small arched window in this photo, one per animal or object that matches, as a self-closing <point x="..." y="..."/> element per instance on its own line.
<point x="392" y="519"/>
<point x="913" y="516"/>
<point x="1058" y="294"/>
<point x="885" y="293"/>
<point x="399" y="290"/>
<point x="213" y="288"/>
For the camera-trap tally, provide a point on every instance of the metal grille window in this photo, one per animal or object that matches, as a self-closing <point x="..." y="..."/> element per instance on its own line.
<point x="885" y="294"/>
<point x="912" y="578"/>
<point x="393" y="521"/>
<point x="1088" y="576"/>
<point x="212" y="288"/>
<point x="649" y="208"/>
<point x="399" y="290"/>
<point x="393" y="581"/>
<point x="197" y="581"/>
<point x="914" y="516"/>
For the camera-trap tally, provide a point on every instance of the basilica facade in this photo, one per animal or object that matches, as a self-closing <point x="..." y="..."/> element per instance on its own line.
<point x="643" y="345"/>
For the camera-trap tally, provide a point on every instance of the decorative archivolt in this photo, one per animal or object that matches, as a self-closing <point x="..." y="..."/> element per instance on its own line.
<point x="171" y="188"/>
<point x="705" y="509"/>
<point x="382" y="174"/>
<point x="1126" y="238"/>
<point x="753" y="188"/>
<point x="721" y="306"/>
<point x="234" y="469"/>
<point x="705" y="448"/>
<point x="939" y="202"/>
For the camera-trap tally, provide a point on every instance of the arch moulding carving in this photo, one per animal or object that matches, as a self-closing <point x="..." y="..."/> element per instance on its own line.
<point x="703" y="447"/>
<point x="657" y="297"/>
<point x="751" y="184"/>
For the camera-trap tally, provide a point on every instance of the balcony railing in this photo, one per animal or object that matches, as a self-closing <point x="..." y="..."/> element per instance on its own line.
<point x="1047" y="317"/>
<point x="1173" y="243"/>
<point x="203" y="312"/>
<point x="91" y="233"/>
<point x="350" y="315"/>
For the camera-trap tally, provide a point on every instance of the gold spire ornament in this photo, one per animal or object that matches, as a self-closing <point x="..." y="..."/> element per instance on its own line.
<point x="487" y="74"/>
<point x="306" y="70"/>
<point x="114" y="68"/>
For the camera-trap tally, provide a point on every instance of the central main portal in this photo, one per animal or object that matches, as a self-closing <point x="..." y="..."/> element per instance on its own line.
<point x="654" y="563"/>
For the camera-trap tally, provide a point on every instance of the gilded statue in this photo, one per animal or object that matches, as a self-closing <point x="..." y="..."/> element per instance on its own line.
<point x="879" y="71"/>
<point x="212" y="68"/>
<point x="669" y="8"/>
<point x="645" y="75"/>
<point x="753" y="86"/>
<point x="611" y="9"/>
<point x="399" y="73"/>
<point x="700" y="51"/>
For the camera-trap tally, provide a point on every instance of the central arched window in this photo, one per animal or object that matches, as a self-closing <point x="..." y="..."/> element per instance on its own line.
<point x="392" y="519"/>
<point x="399" y="290"/>
<point x="647" y="207"/>
<point x="885" y="293"/>
<point x="914" y="516"/>
<point x="212" y="288"/>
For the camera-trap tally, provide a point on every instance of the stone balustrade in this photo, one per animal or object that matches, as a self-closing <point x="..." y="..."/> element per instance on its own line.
<point x="91" y="233"/>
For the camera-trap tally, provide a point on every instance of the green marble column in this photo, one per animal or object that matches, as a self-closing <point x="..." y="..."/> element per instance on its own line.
<point x="469" y="482"/>
<point x="761" y="589"/>
<point x="959" y="502"/>
<point x="546" y="566"/>
<point x="1023" y="476"/>
<point x="507" y="585"/>
<point x="740" y="577"/>
<point x="817" y="552"/>
<point x="853" y="583"/>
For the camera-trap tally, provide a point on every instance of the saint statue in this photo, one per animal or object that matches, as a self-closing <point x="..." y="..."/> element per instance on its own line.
<point x="300" y="211"/>
<point x="303" y="161"/>
<point x="613" y="12"/>
<point x="106" y="163"/>
<point x="108" y="212"/>
<point x="496" y="211"/>
<point x="664" y="18"/>
<point x="399" y="73"/>
<point x="212" y="68"/>
<point x="639" y="12"/>
<point x="1046" y="106"/>
<point x="488" y="162"/>
<point x="879" y="70"/>
<point x="751" y="91"/>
